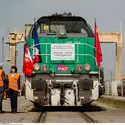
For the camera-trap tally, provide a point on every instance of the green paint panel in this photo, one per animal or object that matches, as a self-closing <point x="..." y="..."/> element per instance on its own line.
<point x="84" y="47"/>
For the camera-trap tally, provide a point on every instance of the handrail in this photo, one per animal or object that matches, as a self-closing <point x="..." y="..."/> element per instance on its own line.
<point x="75" y="54"/>
<point x="66" y="43"/>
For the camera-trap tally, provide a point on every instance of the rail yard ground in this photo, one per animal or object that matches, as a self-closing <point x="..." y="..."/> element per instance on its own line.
<point x="103" y="110"/>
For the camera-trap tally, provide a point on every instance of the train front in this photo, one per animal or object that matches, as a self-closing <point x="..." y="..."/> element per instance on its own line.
<point x="66" y="74"/>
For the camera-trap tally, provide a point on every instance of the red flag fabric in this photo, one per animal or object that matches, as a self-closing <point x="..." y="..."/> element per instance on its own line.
<point x="98" y="52"/>
<point x="27" y="62"/>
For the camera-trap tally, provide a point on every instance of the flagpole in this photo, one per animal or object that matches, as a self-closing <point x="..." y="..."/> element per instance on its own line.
<point x="34" y="20"/>
<point x="33" y="40"/>
<point x="97" y="43"/>
<point x="94" y="42"/>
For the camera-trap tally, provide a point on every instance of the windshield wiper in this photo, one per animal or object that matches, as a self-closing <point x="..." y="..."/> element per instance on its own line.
<point x="74" y="25"/>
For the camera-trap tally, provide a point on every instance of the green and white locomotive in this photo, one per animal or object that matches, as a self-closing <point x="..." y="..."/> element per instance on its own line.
<point x="66" y="74"/>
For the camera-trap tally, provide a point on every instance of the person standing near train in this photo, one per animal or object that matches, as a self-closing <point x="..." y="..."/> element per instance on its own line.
<point x="14" y="88"/>
<point x="3" y="86"/>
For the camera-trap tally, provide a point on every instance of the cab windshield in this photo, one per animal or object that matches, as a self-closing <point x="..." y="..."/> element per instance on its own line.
<point x="51" y="24"/>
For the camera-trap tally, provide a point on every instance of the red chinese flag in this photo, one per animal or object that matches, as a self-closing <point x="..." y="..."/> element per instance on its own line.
<point x="27" y="62"/>
<point x="98" y="52"/>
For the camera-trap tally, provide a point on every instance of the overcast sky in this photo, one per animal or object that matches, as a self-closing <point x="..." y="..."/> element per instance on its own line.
<point x="108" y="13"/>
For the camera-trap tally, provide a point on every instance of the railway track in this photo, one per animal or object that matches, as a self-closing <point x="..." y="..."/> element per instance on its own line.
<point x="87" y="118"/>
<point x="64" y="117"/>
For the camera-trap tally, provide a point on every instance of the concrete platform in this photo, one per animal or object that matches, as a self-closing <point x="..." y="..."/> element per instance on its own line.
<point x="24" y="114"/>
<point x="22" y="102"/>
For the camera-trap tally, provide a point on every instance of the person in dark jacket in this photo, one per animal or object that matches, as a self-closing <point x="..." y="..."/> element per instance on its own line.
<point x="3" y="86"/>
<point x="14" y="88"/>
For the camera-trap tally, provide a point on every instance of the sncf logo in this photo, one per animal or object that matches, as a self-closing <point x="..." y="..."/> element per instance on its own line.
<point x="61" y="68"/>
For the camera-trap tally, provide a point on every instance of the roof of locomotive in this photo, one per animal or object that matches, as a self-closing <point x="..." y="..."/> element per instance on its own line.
<point x="61" y="18"/>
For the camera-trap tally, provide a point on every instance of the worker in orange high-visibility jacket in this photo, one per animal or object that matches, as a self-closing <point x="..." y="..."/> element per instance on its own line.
<point x="3" y="86"/>
<point x="14" y="88"/>
<point x="5" y="92"/>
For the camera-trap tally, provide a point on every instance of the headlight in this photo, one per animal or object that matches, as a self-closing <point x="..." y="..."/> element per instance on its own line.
<point x="87" y="67"/>
<point x="44" y="68"/>
<point x="36" y="66"/>
<point x="79" y="68"/>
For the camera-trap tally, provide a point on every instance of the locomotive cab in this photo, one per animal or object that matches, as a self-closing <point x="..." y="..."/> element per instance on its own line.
<point x="66" y="73"/>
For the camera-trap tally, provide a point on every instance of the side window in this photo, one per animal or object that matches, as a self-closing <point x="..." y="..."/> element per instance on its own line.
<point x="42" y="28"/>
